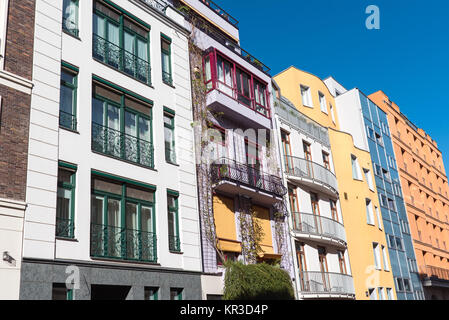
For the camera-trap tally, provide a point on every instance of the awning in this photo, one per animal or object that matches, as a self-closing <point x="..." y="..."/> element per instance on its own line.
<point x="229" y="245"/>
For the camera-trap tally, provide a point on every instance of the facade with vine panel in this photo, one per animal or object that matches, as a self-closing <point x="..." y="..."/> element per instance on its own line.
<point x="240" y="190"/>
<point x="111" y="186"/>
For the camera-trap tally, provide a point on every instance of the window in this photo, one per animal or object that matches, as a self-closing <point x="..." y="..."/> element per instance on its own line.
<point x="369" y="179"/>
<point x="176" y="293"/>
<point x="70" y="17"/>
<point x="122" y="220"/>
<point x="65" y="204"/>
<point x="369" y="212"/>
<point x="377" y="170"/>
<point x="383" y="201"/>
<point x="391" y="205"/>
<point x="166" y="60"/>
<point x="386" y="175"/>
<point x="379" y="218"/>
<point x="260" y="97"/>
<point x="334" y="212"/>
<point x="332" y="113"/>
<point x="173" y="222"/>
<point x="399" y="244"/>
<point x="390" y="293"/>
<point x="307" y="150"/>
<point x="372" y="294"/>
<point x="355" y="168"/>
<point x="151" y="293"/>
<point x="342" y="262"/>
<point x="121" y="42"/>
<point x="243" y="87"/>
<point x="67" y="97"/>
<point x="121" y="126"/>
<point x="326" y="161"/>
<point x="306" y="96"/>
<point x="407" y="285"/>
<point x="385" y="258"/>
<point x="376" y="256"/>
<point x="379" y="139"/>
<point x="228" y="256"/>
<point x="323" y="104"/>
<point x="285" y="137"/>
<point x="400" y="284"/>
<point x="370" y="132"/>
<point x="381" y="293"/>
<point x="60" y="292"/>
<point x="169" y="136"/>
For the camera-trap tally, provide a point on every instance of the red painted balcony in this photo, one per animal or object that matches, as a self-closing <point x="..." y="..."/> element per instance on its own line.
<point x="237" y="83"/>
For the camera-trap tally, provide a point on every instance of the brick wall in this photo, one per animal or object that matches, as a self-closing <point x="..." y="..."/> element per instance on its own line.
<point x="19" y="38"/>
<point x="15" y="110"/>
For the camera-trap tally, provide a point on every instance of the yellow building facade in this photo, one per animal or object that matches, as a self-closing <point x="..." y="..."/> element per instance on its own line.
<point x="366" y="242"/>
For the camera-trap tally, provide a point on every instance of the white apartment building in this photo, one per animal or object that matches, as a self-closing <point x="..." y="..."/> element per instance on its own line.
<point x="244" y="168"/>
<point x="317" y="232"/>
<point x="111" y="179"/>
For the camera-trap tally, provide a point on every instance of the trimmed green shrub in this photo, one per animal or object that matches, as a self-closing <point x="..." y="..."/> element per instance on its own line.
<point x="257" y="282"/>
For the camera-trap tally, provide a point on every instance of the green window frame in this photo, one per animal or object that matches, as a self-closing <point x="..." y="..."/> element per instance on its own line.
<point x="151" y="293"/>
<point x="176" y="293"/>
<point x="61" y="292"/>
<point x="123" y="225"/>
<point x="167" y="76"/>
<point x="68" y="97"/>
<point x="169" y="136"/>
<point x="65" y="205"/>
<point x="174" y="241"/>
<point x="70" y="17"/>
<point x="114" y="134"/>
<point x="121" y="41"/>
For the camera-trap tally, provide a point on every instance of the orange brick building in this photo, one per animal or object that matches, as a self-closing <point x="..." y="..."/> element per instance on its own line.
<point x="426" y="193"/>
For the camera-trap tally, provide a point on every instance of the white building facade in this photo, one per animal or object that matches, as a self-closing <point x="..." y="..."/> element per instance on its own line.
<point x="111" y="180"/>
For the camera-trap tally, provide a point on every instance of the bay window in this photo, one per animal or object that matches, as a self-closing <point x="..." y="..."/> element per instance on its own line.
<point x="221" y="73"/>
<point x="122" y="220"/>
<point x="121" y="126"/>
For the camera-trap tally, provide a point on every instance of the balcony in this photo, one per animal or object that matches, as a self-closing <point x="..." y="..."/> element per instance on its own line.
<point x="122" y="146"/>
<point x="288" y="112"/>
<point x="120" y="59"/>
<point x="325" y="285"/>
<point x="219" y="11"/>
<point x="236" y="178"/>
<point x="308" y="226"/>
<point x="311" y="174"/>
<point x="122" y="244"/>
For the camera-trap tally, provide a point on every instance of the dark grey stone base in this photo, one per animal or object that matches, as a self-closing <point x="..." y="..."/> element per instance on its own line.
<point x="38" y="277"/>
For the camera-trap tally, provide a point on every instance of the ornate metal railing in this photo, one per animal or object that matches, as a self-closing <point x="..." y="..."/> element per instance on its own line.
<point x="70" y="26"/>
<point x="67" y="120"/>
<point x="326" y="282"/>
<point x="317" y="225"/>
<point x="167" y="78"/>
<point x="174" y="243"/>
<point x="118" y="58"/>
<point x="159" y="5"/>
<point x="288" y="112"/>
<point x="65" y="228"/>
<point x="226" y="16"/>
<point x="303" y="168"/>
<point x="121" y="243"/>
<point x="227" y="169"/>
<point x="121" y="145"/>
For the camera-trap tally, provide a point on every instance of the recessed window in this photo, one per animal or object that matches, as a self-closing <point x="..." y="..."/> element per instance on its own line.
<point x="323" y="104"/>
<point x="68" y="97"/>
<point x="332" y="113"/>
<point x="376" y="253"/>
<point x="369" y="212"/>
<point x="166" y="60"/>
<point x="176" y="293"/>
<point x="60" y="292"/>
<point x="355" y="168"/>
<point x="306" y="96"/>
<point x="173" y="222"/>
<point x="151" y="293"/>
<point x="169" y="137"/>
<point x="70" y="17"/>
<point x="385" y="258"/>
<point x="65" y="204"/>
<point x="369" y="179"/>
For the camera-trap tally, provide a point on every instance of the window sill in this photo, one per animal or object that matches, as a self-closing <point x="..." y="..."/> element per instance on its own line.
<point x="169" y="84"/>
<point x="71" y="34"/>
<point x="66" y="239"/>
<point x="304" y="105"/>
<point x="68" y="129"/>
<point x="172" y="163"/>
<point x="176" y="252"/>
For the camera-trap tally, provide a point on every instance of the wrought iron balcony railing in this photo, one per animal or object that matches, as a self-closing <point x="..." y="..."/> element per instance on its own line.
<point x="121" y="243"/>
<point x="70" y="26"/>
<point x="174" y="243"/>
<point x="288" y="112"/>
<point x="65" y="228"/>
<point x="326" y="283"/>
<point x="120" y="59"/>
<point x="67" y="120"/>
<point x="121" y="145"/>
<point x="227" y="169"/>
<point x="317" y="225"/>
<point x="303" y="168"/>
<point x="167" y="78"/>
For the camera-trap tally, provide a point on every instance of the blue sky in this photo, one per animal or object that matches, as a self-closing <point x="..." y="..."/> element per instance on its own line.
<point x="408" y="58"/>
